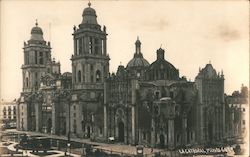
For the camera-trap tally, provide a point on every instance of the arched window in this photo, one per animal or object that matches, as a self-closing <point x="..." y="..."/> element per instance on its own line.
<point x="98" y="76"/>
<point x="97" y="46"/>
<point x="41" y="58"/>
<point x="80" y="46"/>
<point x="83" y="71"/>
<point x="4" y="112"/>
<point x="27" y="82"/>
<point x="104" y="70"/>
<point x="79" y="75"/>
<point x="35" y="57"/>
<point x="92" y="78"/>
<point x="90" y="45"/>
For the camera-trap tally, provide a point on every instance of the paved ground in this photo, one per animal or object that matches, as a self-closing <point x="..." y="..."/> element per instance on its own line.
<point x="20" y="152"/>
<point x="115" y="148"/>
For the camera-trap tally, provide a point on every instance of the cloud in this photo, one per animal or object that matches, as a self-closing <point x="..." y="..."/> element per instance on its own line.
<point x="227" y="33"/>
<point x="156" y="24"/>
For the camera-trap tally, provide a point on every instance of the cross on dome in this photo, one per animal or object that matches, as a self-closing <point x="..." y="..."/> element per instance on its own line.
<point x="36" y="23"/>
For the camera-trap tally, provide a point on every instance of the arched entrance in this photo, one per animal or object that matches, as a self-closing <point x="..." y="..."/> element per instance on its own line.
<point x="88" y="131"/>
<point x="64" y="128"/>
<point x="210" y="131"/>
<point x="121" y="132"/>
<point x="49" y="125"/>
<point x="162" y="141"/>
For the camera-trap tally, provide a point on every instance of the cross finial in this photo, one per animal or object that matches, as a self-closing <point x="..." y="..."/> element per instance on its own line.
<point x="161" y="45"/>
<point x="137" y="37"/>
<point x="36" y="23"/>
<point x="89" y="4"/>
<point x="120" y="63"/>
<point x="209" y="61"/>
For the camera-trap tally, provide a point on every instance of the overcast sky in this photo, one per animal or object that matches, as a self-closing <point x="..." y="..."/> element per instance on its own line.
<point x="191" y="32"/>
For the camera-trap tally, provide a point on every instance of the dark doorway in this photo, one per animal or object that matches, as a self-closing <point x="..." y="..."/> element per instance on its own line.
<point x="162" y="141"/>
<point x="210" y="131"/>
<point x="88" y="131"/>
<point x="121" y="132"/>
<point x="49" y="125"/>
<point x="33" y="121"/>
<point x="64" y="128"/>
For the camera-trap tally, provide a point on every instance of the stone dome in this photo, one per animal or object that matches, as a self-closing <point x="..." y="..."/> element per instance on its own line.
<point x="36" y="33"/>
<point x="162" y="69"/>
<point x="138" y="61"/>
<point x="89" y="15"/>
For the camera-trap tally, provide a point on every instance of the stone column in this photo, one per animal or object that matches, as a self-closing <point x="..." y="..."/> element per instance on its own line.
<point x="18" y="115"/>
<point x="75" y="45"/>
<point x="152" y="132"/>
<point x="105" y="111"/>
<point x="171" y="136"/>
<point x="184" y="130"/>
<point x="105" y="46"/>
<point x="28" y="119"/>
<point x="38" y="112"/>
<point x="93" y="45"/>
<point x="73" y="74"/>
<point x="134" y="87"/>
<point x="78" y="118"/>
<point x="82" y="45"/>
<point x="202" y="123"/>
<point x="232" y="123"/>
<point x="26" y="112"/>
<point x="67" y="117"/>
<point x="133" y="124"/>
<point x="101" y="47"/>
<point x="53" y="118"/>
<point x="105" y="122"/>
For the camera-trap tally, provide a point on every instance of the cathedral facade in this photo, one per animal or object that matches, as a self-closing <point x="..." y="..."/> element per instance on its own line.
<point x="142" y="103"/>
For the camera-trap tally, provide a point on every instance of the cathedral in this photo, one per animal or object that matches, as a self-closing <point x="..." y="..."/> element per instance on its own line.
<point x="142" y="103"/>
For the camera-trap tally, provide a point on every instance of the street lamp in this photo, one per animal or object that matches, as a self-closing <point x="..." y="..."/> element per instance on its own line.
<point x="68" y="144"/>
<point x="66" y="94"/>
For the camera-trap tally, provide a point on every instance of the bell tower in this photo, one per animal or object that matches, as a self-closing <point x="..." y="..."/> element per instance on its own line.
<point x="90" y="62"/>
<point x="90" y="66"/>
<point x="37" y="53"/>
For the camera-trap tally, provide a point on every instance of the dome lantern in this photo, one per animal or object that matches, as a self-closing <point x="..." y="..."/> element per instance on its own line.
<point x="36" y="33"/>
<point x="137" y="46"/>
<point x="137" y="60"/>
<point x="160" y="54"/>
<point x="89" y="15"/>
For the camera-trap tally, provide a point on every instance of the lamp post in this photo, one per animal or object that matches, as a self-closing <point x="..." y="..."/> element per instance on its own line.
<point x="67" y="94"/>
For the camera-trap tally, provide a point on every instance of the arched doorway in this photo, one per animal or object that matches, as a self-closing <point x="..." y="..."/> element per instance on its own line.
<point x="49" y="125"/>
<point x="88" y="131"/>
<point x="210" y="131"/>
<point x="64" y="128"/>
<point x="162" y="141"/>
<point x="121" y="132"/>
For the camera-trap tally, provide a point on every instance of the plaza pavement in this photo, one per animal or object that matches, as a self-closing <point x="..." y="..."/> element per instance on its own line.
<point x="22" y="152"/>
<point x="115" y="148"/>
